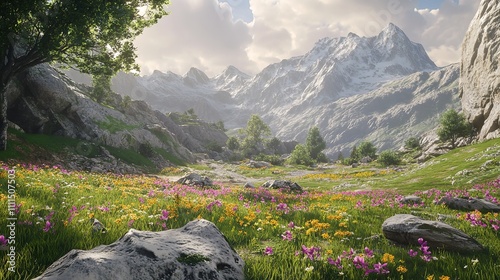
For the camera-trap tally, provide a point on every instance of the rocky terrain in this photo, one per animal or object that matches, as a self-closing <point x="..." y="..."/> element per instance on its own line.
<point x="42" y="100"/>
<point x="480" y="71"/>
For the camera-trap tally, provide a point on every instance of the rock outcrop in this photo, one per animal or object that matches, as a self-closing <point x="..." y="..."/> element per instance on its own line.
<point x="480" y="71"/>
<point x="469" y="204"/>
<point x="407" y="229"/>
<point x="43" y="100"/>
<point x="195" y="179"/>
<point x="196" y="251"/>
<point x="282" y="185"/>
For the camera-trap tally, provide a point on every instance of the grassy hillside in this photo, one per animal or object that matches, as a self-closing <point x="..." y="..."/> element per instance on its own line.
<point x="40" y="148"/>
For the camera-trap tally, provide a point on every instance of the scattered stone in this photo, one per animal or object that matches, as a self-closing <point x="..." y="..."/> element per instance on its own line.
<point x="258" y="164"/>
<point x="196" y="251"/>
<point x="282" y="184"/>
<point x="412" y="200"/>
<point x="354" y="165"/>
<point x="195" y="179"/>
<point x="464" y="172"/>
<point x="406" y="229"/>
<point x="489" y="164"/>
<point x="366" y="159"/>
<point x="469" y="204"/>
<point x="249" y="185"/>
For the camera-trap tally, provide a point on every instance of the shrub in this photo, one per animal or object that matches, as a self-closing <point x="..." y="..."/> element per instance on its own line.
<point x="412" y="144"/>
<point x="389" y="157"/>
<point x="272" y="159"/>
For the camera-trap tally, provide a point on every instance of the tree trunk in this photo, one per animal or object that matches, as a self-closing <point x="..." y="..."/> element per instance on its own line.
<point x="3" y="117"/>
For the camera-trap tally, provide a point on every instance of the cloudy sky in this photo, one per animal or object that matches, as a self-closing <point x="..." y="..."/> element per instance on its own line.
<point x="251" y="34"/>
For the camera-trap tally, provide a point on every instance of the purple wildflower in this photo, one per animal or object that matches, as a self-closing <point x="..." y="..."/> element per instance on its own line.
<point x="312" y="253"/>
<point x="164" y="215"/>
<point x="268" y="251"/>
<point x="3" y="240"/>
<point x="287" y="235"/>
<point x="337" y="263"/>
<point x="48" y="226"/>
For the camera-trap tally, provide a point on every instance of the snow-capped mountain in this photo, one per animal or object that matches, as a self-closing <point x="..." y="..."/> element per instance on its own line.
<point x="383" y="88"/>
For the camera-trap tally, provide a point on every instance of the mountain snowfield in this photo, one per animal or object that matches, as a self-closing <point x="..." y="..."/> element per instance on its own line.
<point x="384" y="89"/>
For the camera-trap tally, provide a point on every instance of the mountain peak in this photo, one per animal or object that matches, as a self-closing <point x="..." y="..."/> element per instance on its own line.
<point x="197" y="75"/>
<point x="392" y="32"/>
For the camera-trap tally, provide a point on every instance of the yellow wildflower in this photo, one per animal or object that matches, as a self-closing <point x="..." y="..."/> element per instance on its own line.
<point x="443" y="277"/>
<point x="388" y="258"/>
<point x="401" y="269"/>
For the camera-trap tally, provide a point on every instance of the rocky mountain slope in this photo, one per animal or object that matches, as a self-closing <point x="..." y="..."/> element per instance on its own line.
<point x="383" y="88"/>
<point x="42" y="100"/>
<point x="480" y="71"/>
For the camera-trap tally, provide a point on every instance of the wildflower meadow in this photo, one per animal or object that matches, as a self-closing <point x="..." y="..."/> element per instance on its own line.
<point x="317" y="234"/>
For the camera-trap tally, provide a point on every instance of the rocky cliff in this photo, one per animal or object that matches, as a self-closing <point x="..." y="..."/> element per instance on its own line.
<point x="480" y="71"/>
<point x="42" y="100"/>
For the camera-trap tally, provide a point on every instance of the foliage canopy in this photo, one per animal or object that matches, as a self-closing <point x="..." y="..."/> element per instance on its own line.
<point x="452" y="127"/>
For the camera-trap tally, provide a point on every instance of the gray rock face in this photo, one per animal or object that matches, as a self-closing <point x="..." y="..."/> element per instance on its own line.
<point x="196" y="251"/>
<point x="480" y="72"/>
<point x="282" y="184"/>
<point x="469" y="204"/>
<point x="407" y="229"/>
<point x="41" y="100"/>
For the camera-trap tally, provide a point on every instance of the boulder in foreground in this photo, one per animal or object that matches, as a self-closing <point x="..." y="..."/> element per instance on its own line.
<point x="196" y="251"/>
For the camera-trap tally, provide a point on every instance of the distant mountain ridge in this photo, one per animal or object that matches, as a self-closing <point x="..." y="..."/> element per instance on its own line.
<point x="383" y="89"/>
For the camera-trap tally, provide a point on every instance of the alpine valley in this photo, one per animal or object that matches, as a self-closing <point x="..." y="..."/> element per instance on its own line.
<point x="384" y="89"/>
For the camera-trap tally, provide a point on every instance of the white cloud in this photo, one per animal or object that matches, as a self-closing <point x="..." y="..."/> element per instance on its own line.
<point x="201" y="33"/>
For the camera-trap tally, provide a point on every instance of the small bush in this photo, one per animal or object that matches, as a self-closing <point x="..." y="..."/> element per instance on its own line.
<point x="389" y="157"/>
<point x="412" y="144"/>
<point x="272" y="159"/>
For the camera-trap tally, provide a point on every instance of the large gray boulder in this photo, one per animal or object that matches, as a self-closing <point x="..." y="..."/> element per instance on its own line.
<point x="480" y="72"/>
<point x="469" y="204"/>
<point x="196" y="251"/>
<point x="195" y="179"/>
<point x="283" y="185"/>
<point x="407" y="229"/>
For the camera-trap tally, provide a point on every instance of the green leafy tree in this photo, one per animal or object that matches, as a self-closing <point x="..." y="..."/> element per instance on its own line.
<point x="315" y="144"/>
<point x="300" y="155"/>
<point x="366" y="149"/>
<point x="254" y="132"/>
<point x="389" y="157"/>
<point x="354" y="155"/>
<point x="452" y="127"/>
<point x="273" y="144"/>
<point x="232" y="143"/>
<point x="94" y="36"/>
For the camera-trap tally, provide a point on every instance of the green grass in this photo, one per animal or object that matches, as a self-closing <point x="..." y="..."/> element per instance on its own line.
<point x="114" y="125"/>
<point x="334" y="220"/>
<point x="250" y="219"/>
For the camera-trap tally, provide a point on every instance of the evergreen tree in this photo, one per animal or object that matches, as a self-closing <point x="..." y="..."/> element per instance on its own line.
<point x="315" y="144"/>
